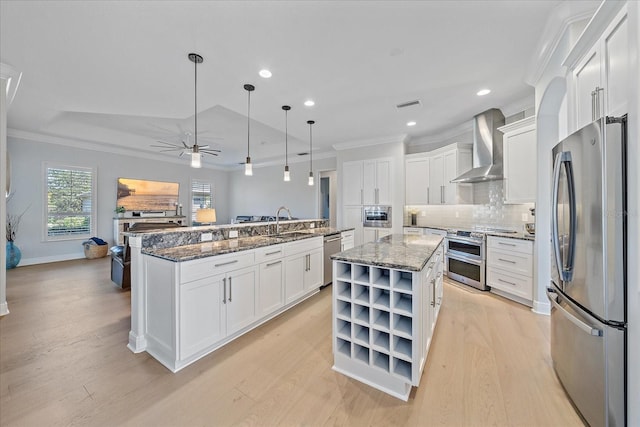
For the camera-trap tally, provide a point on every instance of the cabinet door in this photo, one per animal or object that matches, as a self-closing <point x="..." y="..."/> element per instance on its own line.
<point x="313" y="274"/>
<point x="383" y="182"/>
<point x="369" y="235"/>
<point x="436" y="171"/>
<point x="616" y="67"/>
<point x="352" y="183"/>
<point x="369" y="187"/>
<point x="450" y="193"/>
<point x="520" y="166"/>
<point x="587" y="78"/>
<point x="271" y="287"/>
<point x="202" y="315"/>
<point x="294" y="277"/>
<point x="416" y="181"/>
<point x="353" y="219"/>
<point x="241" y="299"/>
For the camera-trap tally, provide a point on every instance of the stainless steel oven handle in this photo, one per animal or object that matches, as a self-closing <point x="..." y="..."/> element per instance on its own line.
<point x="464" y="259"/>
<point x="585" y="327"/>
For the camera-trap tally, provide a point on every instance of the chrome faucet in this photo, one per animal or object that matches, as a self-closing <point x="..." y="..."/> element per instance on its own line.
<point x="278" y="217"/>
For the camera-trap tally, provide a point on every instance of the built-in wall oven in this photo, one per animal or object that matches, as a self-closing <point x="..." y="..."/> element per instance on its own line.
<point x="377" y="216"/>
<point x="465" y="258"/>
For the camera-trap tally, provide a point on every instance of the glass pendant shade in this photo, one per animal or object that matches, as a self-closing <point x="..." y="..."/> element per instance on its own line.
<point x="195" y="160"/>
<point x="310" y="178"/>
<point x="287" y="175"/>
<point x="248" y="169"/>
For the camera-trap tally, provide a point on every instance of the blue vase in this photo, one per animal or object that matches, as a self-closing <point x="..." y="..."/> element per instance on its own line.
<point x="13" y="255"/>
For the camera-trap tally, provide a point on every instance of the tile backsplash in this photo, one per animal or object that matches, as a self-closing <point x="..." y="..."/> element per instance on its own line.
<point x="488" y="210"/>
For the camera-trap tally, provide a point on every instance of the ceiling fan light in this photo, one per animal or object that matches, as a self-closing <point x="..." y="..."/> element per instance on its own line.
<point x="248" y="168"/>
<point x="196" y="161"/>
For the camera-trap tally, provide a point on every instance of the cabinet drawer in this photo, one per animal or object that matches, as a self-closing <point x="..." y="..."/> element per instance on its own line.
<point x="515" y="245"/>
<point x="512" y="262"/>
<point x="199" y="268"/>
<point x="413" y="231"/>
<point x="304" y="245"/>
<point x="435" y="232"/>
<point x="269" y="252"/>
<point x="514" y="284"/>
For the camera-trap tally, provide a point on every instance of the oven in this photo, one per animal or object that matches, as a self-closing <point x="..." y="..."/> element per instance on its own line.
<point x="465" y="259"/>
<point x="377" y="216"/>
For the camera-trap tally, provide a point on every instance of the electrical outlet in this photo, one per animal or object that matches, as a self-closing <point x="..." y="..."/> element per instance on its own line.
<point x="525" y="217"/>
<point x="233" y="234"/>
<point x="313" y="225"/>
<point x="206" y="237"/>
<point x="423" y="213"/>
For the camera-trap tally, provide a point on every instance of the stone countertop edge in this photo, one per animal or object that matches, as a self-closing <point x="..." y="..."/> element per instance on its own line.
<point x="205" y="228"/>
<point x="397" y="251"/>
<point x="517" y="235"/>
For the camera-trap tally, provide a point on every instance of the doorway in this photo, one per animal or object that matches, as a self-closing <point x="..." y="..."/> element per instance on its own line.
<point x="327" y="202"/>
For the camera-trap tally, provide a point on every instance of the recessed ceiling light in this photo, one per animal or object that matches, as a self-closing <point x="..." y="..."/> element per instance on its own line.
<point x="309" y="103"/>
<point x="483" y="92"/>
<point x="411" y="123"/>
<point x="264" y="73"/>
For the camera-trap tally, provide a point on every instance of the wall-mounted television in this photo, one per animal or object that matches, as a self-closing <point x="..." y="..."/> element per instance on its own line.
<point x="147" y="196"/>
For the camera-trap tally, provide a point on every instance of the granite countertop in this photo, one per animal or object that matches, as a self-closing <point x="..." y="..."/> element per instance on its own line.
<point x="511" y="235"/>
<point x="325" y="231"/>
<point x="220" y="247"/>
<point x="403" y="252"/>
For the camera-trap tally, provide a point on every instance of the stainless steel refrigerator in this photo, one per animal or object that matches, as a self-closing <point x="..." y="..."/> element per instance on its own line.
<point x="588" y="277"/>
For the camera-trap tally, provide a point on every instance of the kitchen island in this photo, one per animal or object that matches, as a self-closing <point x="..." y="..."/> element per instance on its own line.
<point x="190" y="297"/>
<point x="386" y="299"/>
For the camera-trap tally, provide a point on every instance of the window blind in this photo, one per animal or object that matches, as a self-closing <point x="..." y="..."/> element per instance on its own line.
<point x="201" y="197"/>
<point x="70" y="202"/>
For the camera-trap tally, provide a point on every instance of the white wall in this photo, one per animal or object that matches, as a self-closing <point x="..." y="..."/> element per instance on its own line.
<point x="27" y="159"/>
<point x="427" y="143"/>
<point x="265" y="191"/>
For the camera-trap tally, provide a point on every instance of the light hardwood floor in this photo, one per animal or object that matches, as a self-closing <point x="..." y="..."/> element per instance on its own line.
<point x="64" y="361"/>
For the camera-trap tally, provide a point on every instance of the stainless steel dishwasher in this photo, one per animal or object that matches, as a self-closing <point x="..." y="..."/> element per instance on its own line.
<point x="331" y="246"/>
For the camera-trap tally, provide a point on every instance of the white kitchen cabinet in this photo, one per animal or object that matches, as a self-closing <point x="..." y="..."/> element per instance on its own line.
<point x="271" y="287"/>
<point x="510" y="268"/>
<point x="414" y="231"/>
<point x="353" y="219"/>
<point x="519" y="145"/>
<point x="215" y="307"/>
<point x="445" y="164"/>
<point x="600" y="76"/>
<point x="313" y="274"/>
<point x="435" y="232"/>
<point x="303" y="268"/>
<point x="372" y="234"/>
<point x="416" y="179"/>
<point x="347" y="240"/>
<point x="367" y="182"/>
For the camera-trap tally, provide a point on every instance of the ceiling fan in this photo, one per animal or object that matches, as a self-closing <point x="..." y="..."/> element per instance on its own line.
<point x="194" y="150"/>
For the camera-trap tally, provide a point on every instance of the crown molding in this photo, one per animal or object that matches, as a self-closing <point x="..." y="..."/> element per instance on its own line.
<point x="101" y="147"/>
<point x="592" y="32"/>
<point x="519" y="106"/>
<point x="13" y="77"/>
<point x="370" y="142"/>
<point x="559" y="21"/>
<point x="527" y="121"/>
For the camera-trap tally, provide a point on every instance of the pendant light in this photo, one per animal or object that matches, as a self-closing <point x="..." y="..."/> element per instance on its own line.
<point x="310" y="123"/>
<point x="287" y="176"/>
<point x="248" y="169"/>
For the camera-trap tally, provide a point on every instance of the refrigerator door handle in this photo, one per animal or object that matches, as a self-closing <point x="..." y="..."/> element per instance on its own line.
<point x="585" y="327"/>
<point x="565" y="267"/>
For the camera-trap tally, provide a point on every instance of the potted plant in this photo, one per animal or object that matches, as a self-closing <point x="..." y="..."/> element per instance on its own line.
<point x="120" y="210"/>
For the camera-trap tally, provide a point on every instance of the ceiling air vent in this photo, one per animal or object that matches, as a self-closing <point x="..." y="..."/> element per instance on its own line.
<point x="409" y="104"/>
<point x="303" y="154"/>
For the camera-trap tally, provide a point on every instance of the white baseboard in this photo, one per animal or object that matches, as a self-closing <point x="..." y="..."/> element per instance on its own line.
<point x="4" y="308"/>
<point x="47" y="259"/>
<point x="541" y="307"/>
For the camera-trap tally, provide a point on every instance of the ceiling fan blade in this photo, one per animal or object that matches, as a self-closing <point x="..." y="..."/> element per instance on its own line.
<point x="167" y="148"/>
<point x="185" y="145"/>
<point x="203" y="146"/>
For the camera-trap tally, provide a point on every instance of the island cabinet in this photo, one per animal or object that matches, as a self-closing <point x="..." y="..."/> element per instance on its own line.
<point x="196" y="306"/>
<point x="384" y="317"/>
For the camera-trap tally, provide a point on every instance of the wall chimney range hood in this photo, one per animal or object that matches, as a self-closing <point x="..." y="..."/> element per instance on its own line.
<point x="487" y="148"/>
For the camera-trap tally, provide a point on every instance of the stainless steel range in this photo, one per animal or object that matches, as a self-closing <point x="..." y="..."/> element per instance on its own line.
<point x="465" y="257"/>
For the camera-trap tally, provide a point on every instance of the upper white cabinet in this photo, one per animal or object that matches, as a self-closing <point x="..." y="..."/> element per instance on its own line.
<point x="367" y="182"/>
<point x="601" y="74"/>
<point x="416" y="180"/>
<point x="520" y="161"/>
<point x="428" y="176"/>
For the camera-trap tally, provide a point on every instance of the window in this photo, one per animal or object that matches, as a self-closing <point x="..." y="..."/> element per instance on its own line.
<point x="201" y="197"/>
<point x="70" y="202"/>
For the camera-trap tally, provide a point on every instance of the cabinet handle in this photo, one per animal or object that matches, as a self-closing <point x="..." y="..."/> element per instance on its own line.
<point x="433" y="289"/>
<point x="506" y="244"/>
<point x="361" y="196"/>
<point x="224" y="287"/>
<point x="442" y="194"/>
<point x="506" y="281"/>
<point x="273" y="253"/>
<point x="506" y="260"/>
<point x="428" y="188"/>
<point x="593" y="104"/>
<point x="229" y="289"/>
<point x="273" y="263"/>
<point x="226" y="263"/>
